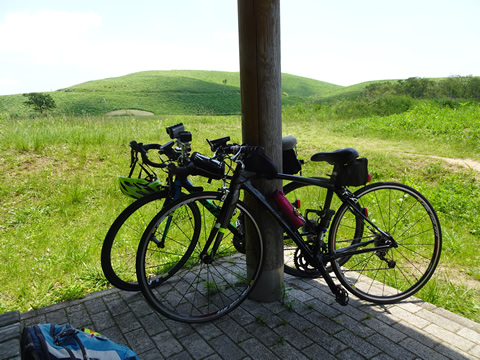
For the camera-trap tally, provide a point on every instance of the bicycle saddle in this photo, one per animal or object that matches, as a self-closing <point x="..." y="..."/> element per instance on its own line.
<point x="339" y="156"/>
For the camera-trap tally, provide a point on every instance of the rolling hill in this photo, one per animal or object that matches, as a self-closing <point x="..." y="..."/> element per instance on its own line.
<point x="166" y="93"/>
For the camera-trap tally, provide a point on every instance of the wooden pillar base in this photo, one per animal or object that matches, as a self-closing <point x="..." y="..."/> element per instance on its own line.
<point x="269" y="286"/>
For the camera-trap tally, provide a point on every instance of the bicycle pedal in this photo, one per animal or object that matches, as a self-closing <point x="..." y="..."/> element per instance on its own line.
<point x="341" y="296"/>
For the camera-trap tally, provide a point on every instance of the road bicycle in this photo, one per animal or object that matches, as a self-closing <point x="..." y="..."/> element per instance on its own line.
<point x="384" y="240"/>
<point x="175" y="158"/>
<point x="150" y="194"/>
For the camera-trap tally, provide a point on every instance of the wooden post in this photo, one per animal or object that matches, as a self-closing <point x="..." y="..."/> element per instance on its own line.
<point x="260" y="84"/>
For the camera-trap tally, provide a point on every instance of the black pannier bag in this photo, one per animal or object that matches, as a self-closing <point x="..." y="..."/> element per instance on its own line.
<point x="354" y="173"/>
<point x="291" y="164"/>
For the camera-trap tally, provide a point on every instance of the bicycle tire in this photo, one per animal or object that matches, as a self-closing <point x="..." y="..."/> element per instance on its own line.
<point x="121" y="242"/>
<point x="388" y="276"/>
<point x="196" y="290"/>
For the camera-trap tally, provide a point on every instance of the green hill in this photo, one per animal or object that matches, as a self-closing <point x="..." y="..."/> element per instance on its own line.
<point x="166" y="93"/>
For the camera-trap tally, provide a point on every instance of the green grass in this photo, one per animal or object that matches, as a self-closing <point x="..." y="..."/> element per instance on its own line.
<point x="59" y="190"/>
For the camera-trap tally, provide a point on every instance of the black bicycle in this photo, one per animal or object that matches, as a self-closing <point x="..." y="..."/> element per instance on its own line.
<point x="178" y="162"/>
<point x="384" y="240"/>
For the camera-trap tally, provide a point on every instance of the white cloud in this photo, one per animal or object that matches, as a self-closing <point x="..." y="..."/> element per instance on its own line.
<point x="46" y="37"/>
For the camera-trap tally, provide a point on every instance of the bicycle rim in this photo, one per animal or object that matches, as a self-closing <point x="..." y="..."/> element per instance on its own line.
<point x="390" y="275"/>
<point x="121" y="242"/>
<point x="190" y="289"/>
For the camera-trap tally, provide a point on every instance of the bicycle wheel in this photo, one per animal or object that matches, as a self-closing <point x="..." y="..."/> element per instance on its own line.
<point x="192" y="289"/>
<point x="121" y="242"/>
<point x="312" y="199"/>
<point x="389" y="275"/>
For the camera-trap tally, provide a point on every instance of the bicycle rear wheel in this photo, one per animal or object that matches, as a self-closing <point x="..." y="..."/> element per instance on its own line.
<point x="192" y="289"/>
<point x="121" y="242"/>
<point x="389" y="275"/>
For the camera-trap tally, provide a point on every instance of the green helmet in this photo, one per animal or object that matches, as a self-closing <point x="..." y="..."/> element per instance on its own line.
<point x="136" y="188"/>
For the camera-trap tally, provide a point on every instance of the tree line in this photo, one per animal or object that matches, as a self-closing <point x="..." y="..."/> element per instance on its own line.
<point x="453" y="87"/>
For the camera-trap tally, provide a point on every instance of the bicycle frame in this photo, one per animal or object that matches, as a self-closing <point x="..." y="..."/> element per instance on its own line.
<point x="242" y="181"/>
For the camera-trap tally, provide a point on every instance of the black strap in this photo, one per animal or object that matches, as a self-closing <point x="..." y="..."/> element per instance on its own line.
<point x="82" y="348"/>
<point x="42" y="341"/>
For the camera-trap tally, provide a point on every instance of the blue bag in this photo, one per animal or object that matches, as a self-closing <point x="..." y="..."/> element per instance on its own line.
<point x="59" y="342"/>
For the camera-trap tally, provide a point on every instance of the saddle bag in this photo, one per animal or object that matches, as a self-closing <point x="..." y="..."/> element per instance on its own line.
<point x="355" y="173"/>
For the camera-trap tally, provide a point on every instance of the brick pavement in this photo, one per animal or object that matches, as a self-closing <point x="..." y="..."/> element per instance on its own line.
<point x="309" y="325"/>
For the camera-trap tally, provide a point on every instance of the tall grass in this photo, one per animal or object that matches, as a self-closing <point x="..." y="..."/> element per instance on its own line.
<point x="59" y="190"/>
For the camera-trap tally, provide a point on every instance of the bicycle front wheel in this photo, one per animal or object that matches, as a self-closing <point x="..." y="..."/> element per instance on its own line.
<point x="392" y="273"/>
<point x="121" y="242"/>
<point x="188" y="287"/>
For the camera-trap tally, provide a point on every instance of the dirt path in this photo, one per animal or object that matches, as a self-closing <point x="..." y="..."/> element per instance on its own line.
<point x="467" y="163"/>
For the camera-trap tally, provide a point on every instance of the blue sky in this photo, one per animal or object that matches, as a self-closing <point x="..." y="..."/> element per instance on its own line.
<point x="51" y="44"/>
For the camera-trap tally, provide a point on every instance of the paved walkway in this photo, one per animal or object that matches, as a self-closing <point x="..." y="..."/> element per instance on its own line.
<point x="308" y="326"/>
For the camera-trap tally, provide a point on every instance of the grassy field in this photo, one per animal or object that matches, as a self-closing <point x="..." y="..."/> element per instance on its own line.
<point x="59" y="190"/>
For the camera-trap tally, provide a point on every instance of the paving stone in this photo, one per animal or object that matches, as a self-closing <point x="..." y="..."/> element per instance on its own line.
<point x="357" y="343"/>
<point x="384" y="329"/>
<point x="286" y="351"/>
<point x="139" y="341"/>
<point x="179" y="329"/>
<point x="127" y="321"/>
<point x="476" y="351"/>
<point x="421" y="350"/>
<point x="153" y="324"/>
<point x="439" y="320"/>
<point x="196" y="346"/>
<point x="356" y="327"/>
<point x="390" y="347"/>
<point x="256" y="350"/>
<point x="102" y="321"/>
<point x="419" y="318"/>
<point x="181" y="356"/>
<point x="114" y="333"/>
<point x="236" y="332"/>
<point x="10" y="331"/>
<point x="293" y="336"/>
<point x="452" y="352"/>
<point x="152" y="354"/>
<point x="95" y="306"/>
<point x="8" y="318"/>
<point x="470" y="335"/>
<point x="140" y="308"/>
<point x="349" y="354"/>
<point x="167" y="344"/>
<point x="450" y="337"/>
<point x="325" y="340"/>
<point x="317" y="352"/>
<point x="116" y="305"/>
<point x="58" y="317"/>
<point x="267" y="336"/>
<point x="226" y="348"/>
<point x="10" y="349"/>
<point x="241" y="316"/>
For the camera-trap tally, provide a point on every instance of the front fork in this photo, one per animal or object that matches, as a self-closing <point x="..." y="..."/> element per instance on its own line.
<point x="218" y="231"/>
